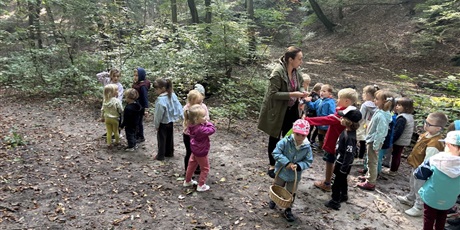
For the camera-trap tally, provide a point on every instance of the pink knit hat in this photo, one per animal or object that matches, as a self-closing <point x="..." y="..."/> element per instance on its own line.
<point x="301" y="127"/>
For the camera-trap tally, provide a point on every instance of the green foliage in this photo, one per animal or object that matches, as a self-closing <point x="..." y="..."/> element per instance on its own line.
<point x="440" y="20"/>
<point x="14" y="139"/>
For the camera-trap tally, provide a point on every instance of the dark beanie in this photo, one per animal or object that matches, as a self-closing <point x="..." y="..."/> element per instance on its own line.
<point x="140" y="74"/>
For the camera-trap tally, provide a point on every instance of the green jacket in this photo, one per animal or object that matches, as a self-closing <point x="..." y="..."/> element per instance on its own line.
<point x="276" y="100"/>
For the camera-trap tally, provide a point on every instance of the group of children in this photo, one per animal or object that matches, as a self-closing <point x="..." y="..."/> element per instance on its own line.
<point x="373" y="132"/>
<point x="168" y="110"/>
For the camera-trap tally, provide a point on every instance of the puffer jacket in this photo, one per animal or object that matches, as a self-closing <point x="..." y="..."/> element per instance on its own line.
<point x="286" y="152"/>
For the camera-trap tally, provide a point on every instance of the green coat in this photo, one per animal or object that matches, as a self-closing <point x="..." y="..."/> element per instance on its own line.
<point x="276" y="100"/>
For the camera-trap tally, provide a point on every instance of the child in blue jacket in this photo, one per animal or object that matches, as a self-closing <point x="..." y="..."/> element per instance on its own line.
<point x="292" y="153"/>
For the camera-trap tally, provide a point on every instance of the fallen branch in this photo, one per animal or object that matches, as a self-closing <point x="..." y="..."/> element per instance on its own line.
<point x="7" y="208"/>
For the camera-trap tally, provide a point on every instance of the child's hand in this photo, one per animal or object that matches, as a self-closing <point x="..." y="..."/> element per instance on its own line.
<point x="292" y="166"/>
<point x="308" y="99"/>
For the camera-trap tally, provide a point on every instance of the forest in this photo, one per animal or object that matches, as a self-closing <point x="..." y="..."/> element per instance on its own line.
<point x="56" y="173"/>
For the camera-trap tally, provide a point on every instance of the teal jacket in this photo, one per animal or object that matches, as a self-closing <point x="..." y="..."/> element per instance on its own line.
<point x="378" y="128"/>
<point x="286" y="152"/>
<point x="442" y="175"/>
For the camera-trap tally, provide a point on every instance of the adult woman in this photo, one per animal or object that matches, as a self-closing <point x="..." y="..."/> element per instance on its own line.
<point x="280" y="106"/>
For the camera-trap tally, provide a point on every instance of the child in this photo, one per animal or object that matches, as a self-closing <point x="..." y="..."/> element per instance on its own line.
<point x="346" y="97"/>
<point x="442" y="186"/>
<point x="111" y="77"/>
<point x="323" y="107"/>
<point x="376" y="133"/>
<point x="385" y="151"/>
<point x="312" y="113"/>
<point x="194" y="97"/>
<point x="367" y="110"/>
<point x="111" y="110"/>
<point x="167" y="110"/>
<point x="200" y="129"/>
<point x="306" y="83"/>
<point x="142" y="86"/>
<point x="131" y="116"/>
<point x="402" y="133"/>
<point x="292" y="153"/>
<point x="345" y="151"/>
<point x="427" y="145"/>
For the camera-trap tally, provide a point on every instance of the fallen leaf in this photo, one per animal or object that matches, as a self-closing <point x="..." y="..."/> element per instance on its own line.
<point x="181" y="197"/>
<point x="222" y="179"/>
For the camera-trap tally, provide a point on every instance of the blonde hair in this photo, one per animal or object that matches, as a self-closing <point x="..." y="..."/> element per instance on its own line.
<point x="194" y="95"/>
<point x="348" y="93"/>
<point x="114" y="72"/>
<point x="110" y="90"/>
<point x="306" y="77"/>
<point x="131" y="94"/>
<point x="317" y="87"/>
<point x="387" y="97"/>
<point x="192" y="114"/>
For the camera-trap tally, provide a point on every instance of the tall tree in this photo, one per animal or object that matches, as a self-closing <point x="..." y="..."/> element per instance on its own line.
<point x="251" y="28"/>
<point x="174" y="11"/>
<point x="322" y="17"/>
<point x="34" y="23"/>
<point x="208" y="18"/>
<point x="193" y="11"/>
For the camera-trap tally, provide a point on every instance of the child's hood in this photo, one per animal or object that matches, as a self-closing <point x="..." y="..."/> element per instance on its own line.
<point x="385" y="114"/>
<point x="112" y="102"/>
<point x="370" y="105"/>
<point x="140" y="74"/>
<point x="447" y="164"/>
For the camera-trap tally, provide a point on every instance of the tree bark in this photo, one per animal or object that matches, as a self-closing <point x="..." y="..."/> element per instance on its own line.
<point x="174" y="11"/>
<point x="50" y="14"/>
<point x="193" y="11"/>
<point x="251" y="29"/>
<point x="208" y="18"/>
<point x="34" y="23"/>
<point x="319" y="13"/>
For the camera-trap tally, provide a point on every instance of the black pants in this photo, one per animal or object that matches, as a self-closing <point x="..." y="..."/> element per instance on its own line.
<point x="292" y="114"/>
<point x="188" y="151"/>
<point x="140" y="126"/>
<point x="362" y="149"/>
<point x="340" y="186"/>
<point x="131" y="136"/>
<point x="165" y="141"/>
<point x="312" y="134"/>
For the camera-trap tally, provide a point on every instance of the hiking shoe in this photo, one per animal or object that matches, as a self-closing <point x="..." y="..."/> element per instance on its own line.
<point x="288" y="215"/>
<point x="202" y="188"/>
<point x="332" y="204"/>
<point x="130" y="149"/>
<point x="366" y="185"/>
<point x="415" y="212"/>
<point x="271" y="204"/>
<point x="271" y="173"/>
<point x="405" y="200"/>
<point x="344" y="198"/>
<point x="191" y="183"/>
<point x="389" y="173"/>
<point x="363" y="171"/>
<point x="321" y="185"/>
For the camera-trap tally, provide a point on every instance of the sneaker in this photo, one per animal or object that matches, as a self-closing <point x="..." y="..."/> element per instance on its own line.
<point x="362" y="178"/>
<point x="404" y="200"/>
<point x="321" y="185"/>
<point x="389" y="173"/>
<point x="130" y="149"/>
<point x="366" y="186"/>
<point x="202" y="188"/>
<point x="271" y="204"/>
<point x="288" y="215"/>
<point x="363" y="171"/>
<point x="415" y="212"/>
<point x="386" y="165"/>
<point x="332" y="204"/>
<point x="271" y="173"/>
<point x="191" y="183"/>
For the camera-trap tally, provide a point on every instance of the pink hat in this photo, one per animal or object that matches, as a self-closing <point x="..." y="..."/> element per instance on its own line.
<point x="301" y="127"/>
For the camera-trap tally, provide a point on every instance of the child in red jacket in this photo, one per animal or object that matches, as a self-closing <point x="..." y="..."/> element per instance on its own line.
<point x="346" y="98"/>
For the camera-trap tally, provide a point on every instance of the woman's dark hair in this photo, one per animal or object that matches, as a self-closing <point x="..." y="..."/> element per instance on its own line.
<point x="291" y="52"/>
<point x="164" y="83"/>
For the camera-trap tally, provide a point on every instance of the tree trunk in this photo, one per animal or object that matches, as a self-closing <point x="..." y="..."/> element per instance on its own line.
<point x="208" y="18"/>
<point x="174" y="11"/>
<point x="51" y="22"/>
<point x="251" y="29"/>
<point x="319" y="13"/>
<point x="34" y="23"/>
<point x="193" y="11"/>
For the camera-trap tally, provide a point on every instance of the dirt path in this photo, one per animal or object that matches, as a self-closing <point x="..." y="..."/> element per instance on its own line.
<point x="66" y="179"/>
